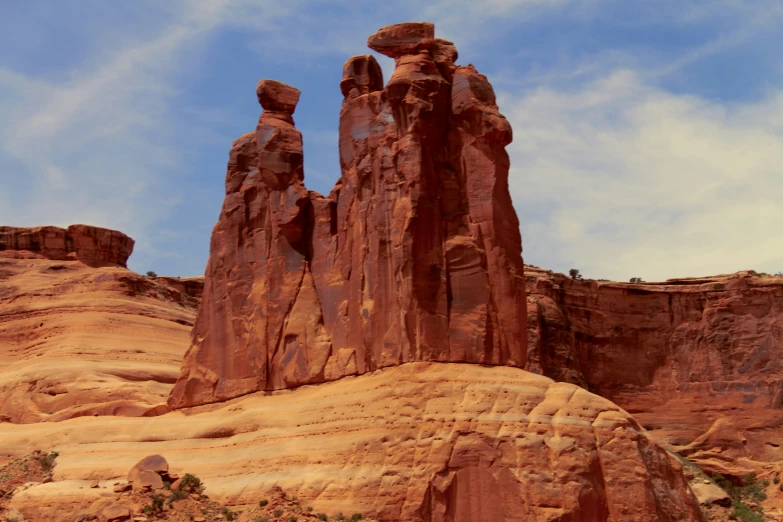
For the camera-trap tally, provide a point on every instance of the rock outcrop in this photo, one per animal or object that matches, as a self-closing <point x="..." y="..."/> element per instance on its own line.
<point x="418" y="442"/>
<point x="93" y="246"/>
<point x="414" y="256"/>
<point x="696" y="361"/>
<point x="77" y="340"/>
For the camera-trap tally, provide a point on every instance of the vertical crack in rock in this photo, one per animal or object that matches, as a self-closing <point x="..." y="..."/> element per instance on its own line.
<point x="414" y="255"/>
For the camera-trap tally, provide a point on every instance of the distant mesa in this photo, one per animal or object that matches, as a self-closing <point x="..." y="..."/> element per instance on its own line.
<point x="93" y="246"/>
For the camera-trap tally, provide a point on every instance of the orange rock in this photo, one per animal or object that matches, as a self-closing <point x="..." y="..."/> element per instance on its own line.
<point x="77" y="341"/>
<point x="421" y="441"/>
<point x="146" y="474"/>
<point x="92" y="246"/>
<point x="695" y="360"/>
<point x="415" y="254"/>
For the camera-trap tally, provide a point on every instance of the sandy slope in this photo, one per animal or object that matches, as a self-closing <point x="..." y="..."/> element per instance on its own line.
<point x="423" y="441"/>
<point x="76" y="340"/>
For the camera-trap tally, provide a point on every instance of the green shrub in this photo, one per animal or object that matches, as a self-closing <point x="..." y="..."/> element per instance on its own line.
<point x="322" y="516"/>
<point x="47" y="461"/>
<point x="292" y="519"/>
<point x="263" y="503"/>
<point x="227" y="513"/>
<point x="743" y="513"/>
<point x="177" y="495"/>
<point x="151" y="274"/>
<point x="277" y="512"/>
<point x="309" y="509"/>
<point x="156" y="506"/>
<point x="574" y="273"/>
<point x="355" y="517"/>
<point x="191" y="484"/>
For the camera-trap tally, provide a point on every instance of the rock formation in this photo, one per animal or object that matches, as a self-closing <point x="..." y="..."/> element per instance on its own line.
<point x="414" y="256"/>
<point x="77" y="340"/>
<point x="419" y="442"/>
<point x="93" y="246"/>
<point x="697" y="361"/>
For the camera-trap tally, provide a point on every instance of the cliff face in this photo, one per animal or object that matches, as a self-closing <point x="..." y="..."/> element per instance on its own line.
<point x="680" y="355"/>
<point x="93" y="246"/>
<point x="414" y="256"/>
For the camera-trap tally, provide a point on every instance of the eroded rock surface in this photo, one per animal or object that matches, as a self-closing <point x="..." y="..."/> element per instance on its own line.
<point x="417" y="442"/>
<point x="77" y="340"/>
<point x="93" y="246"/>
<point x="697" y="361"/>
<point x="414" y="256"/>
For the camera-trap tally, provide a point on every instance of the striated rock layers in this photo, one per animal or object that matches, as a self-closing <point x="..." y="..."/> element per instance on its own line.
<point x="93" y="246"/>
<point x="682" y="355"/>
<point x="414" y="256"/>
<point x="419" y="442"/>
<point x="77" y="340"/>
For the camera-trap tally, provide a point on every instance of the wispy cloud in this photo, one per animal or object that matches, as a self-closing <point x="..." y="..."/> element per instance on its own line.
<point x="622" y="179"/>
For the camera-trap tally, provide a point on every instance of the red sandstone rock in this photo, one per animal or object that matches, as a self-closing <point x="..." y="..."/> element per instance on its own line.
<point x="415" y="254"/>
<point x="695" y="360"/>
<point x="146" y="474"/>
<point x="399" y="40"/>
<point x="92" y="246"/>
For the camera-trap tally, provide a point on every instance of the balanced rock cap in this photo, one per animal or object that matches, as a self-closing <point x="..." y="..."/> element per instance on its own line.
<point x="400" y="39"/>
<point x="362" y="73"/>
<point x="277" y="96"/>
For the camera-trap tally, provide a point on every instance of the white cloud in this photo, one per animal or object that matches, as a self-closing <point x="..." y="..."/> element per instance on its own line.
<point x="622" y="179"/>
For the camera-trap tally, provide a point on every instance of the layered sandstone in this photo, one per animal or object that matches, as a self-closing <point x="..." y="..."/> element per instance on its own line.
<point x="77" y="340"/>
<point x="697" y="361"/>
<point x="414" y="256"/>
<point x="418" y="442"/>
<point x="93" y="246"/>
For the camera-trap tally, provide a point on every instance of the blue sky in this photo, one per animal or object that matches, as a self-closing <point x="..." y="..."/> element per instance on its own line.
<point x="648" y="135"/>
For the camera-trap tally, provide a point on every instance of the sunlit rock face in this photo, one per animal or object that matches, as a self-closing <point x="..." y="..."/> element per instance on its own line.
<point x="415" y="255"/>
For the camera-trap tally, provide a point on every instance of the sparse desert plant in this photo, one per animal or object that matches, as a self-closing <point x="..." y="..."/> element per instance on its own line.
<point x="292" y="519"/>
<point x="277" y="512"/>
<point x="261" y="519"/>
<point x="227" y="513"/>
<point x="263" y="503"/>
<point x="155" y="507"/>
<point x="355" y="517"/>
<point x="191" y="484"/>
<point x="309" y="509"/>
<point x="322" y="516"/>
<point x="151" y="274"/>
<point x="47" y="461"/>
<point x="574" y="273"/>
<point x="743" y="513"/>
<point x="177" y="495"/>
<point x="636" y="280"/>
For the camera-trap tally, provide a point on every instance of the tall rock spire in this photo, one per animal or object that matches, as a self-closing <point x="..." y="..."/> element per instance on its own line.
<point x="414" y="255"/>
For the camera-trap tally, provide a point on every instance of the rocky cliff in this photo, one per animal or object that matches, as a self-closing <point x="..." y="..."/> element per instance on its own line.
<point x="76" y="339"/>
<point x="682" y="356"/>
<point x="414" y="256"/>
<point x="93" y="246"/>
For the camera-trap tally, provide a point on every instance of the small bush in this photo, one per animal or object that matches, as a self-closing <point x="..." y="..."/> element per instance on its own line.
<point x="156" y="506"/>
<point x="277" y="512"/>
<point x="355" y="517"/>
<point x="292" y="519"/>
<point x="776" y="480"/>
<point x="263" y="503"/>
<point x="191" y="484"/>
<point x="151" y="274"/>
<point x="227" y="513"/>
<point x="47" y="461"/>
<point x="166" y="485"/>
<point x="261" y="519"/>
<point x="743" y="513"/>
<point x="322" y="516"/>
<point x="636" y="280"/>
<point x="177" y="495"/>
<point x="340" y="516"/>
<point x="309" y="509"/>
<point x="574" y="273"/>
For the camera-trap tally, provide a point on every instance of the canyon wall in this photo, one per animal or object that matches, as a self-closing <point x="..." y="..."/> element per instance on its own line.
<point x="680" y="355"/>
<point x="414" y="256"/>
